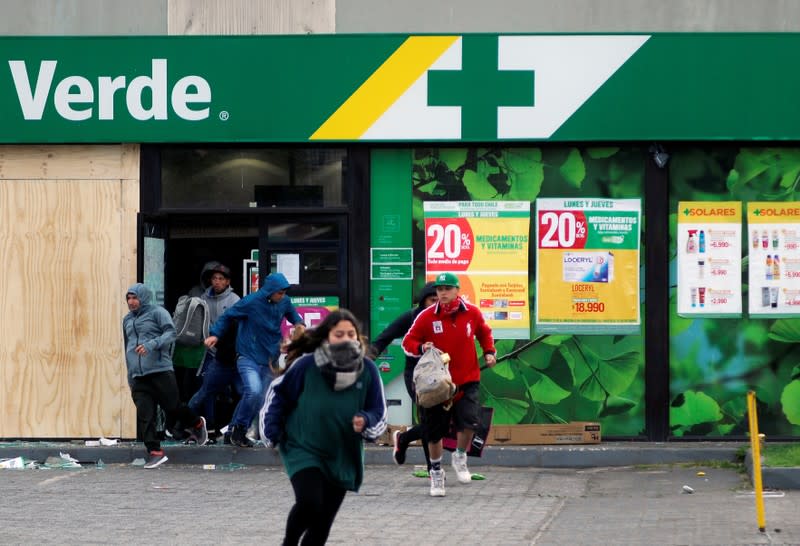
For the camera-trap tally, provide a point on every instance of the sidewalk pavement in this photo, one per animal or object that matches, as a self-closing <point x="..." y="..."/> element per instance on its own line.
<point x="186" y="504"/>
<point x="540" y="456"/>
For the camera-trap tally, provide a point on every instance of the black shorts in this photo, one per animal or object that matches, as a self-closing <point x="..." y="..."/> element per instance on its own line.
<point x="465" y="414"/>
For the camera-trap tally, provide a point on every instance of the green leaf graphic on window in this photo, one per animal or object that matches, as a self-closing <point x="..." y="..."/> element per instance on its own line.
<point x="790" y="401"/>
<point x="573" y="169"/>
<point x="693" y="408"/>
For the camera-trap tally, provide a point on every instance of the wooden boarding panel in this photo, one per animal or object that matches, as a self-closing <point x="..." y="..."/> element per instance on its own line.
<point x="78" y="162"/>
<point x="69" y="246"/>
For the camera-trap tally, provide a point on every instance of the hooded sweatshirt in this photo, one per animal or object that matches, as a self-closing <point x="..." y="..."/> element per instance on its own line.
<point x="151" y="326"/>
<point x="219" y="303"/>
<point x="259" y="321"/>
<point x="400" y="325"/>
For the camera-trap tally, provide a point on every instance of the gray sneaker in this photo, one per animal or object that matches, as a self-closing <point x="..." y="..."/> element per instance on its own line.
<point x="437" y="483"/>
<point x="155" y="458"/>
<point x="199" y="433"/>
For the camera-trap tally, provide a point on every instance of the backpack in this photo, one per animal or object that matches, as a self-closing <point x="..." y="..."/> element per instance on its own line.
<point x="191" y="321"/>
<point x="432" y="381"/>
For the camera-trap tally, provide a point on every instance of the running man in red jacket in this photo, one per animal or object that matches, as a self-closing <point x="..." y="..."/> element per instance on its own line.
<point x="452" y="325"/>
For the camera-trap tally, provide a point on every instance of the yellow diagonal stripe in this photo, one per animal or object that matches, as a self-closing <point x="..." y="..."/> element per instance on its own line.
<point x="383" y="87"/>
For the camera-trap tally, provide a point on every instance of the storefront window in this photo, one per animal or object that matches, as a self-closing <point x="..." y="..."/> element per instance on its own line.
<point x="303" y="231"/>
<point x="317" y="266"/>
<point x="251" y="177"/>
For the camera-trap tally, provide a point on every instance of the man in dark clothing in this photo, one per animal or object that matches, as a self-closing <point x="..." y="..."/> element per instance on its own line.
<point x="149" y="336"/>
<point x="397" y="329"/>
<point x="218" y="370"/>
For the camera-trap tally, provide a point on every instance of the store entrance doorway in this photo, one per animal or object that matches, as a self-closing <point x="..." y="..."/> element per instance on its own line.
<point x="312" y="254"/>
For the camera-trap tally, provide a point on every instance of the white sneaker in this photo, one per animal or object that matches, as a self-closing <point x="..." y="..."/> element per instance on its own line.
<point x="437" y="483"/>
<point x="459" y="463"/>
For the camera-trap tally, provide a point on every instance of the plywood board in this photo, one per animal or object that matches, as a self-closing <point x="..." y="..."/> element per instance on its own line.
<point x="79" y="162"/>
<point x="70" y="252"/>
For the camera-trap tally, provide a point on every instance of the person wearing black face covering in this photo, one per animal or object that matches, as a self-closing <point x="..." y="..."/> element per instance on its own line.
<point x="318" y="414"/>
<point x="398" y="329"/>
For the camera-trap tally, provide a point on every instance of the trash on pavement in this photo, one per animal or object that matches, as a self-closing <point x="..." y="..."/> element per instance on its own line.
<point x="687" y="489"/>
<point x="64" y="460"/>
<point x="16" y="462"/>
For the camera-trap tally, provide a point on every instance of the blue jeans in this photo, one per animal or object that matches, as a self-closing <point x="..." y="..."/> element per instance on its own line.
<point x="216" y="379"/>
<point x="255" y="380"/>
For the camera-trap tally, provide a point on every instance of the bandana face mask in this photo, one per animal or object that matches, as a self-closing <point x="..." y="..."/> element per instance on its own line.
<point x="340" y="363"/>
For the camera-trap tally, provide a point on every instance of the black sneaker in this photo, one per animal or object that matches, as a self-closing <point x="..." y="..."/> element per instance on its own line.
<point x="239" y="437"/>
<point x="400" y="447"/>
<point x="155" y="458"/>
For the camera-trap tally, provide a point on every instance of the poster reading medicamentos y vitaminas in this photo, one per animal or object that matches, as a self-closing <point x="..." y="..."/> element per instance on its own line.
<point x="587" y="265"/>
<point x="486" y="244"/>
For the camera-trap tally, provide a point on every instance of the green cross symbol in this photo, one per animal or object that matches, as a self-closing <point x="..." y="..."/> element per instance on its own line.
<point x="757" y="212"/>
<point x="479" y="88"/>
<point x="686" y="211"/>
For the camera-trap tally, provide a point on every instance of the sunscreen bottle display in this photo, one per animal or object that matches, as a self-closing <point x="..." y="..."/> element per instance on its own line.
<point x="755" y="238"/>
<point x="702" y="242"/>
<point x="691" y="244"/>
<point x="769" y="267"/>
<point x="776" y="268"/>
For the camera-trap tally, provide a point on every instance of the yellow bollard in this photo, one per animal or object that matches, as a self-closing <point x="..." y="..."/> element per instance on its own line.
<point x="755" y="450"/>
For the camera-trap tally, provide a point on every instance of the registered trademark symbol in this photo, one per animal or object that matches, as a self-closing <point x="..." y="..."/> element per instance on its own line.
<point x="224" y="115"/>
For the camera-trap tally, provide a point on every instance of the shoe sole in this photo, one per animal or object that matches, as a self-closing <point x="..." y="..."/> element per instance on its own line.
<point x="158" y="463"/>
<point x="395" y="438"/>
<point x="437" y="494"/>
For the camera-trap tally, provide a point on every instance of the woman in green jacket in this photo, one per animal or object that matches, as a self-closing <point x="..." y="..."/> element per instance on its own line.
<point x="318" y="413"/>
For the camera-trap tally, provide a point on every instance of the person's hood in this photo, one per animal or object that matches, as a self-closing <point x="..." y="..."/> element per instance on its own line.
<point x="427" y="290"/>
<point x="274" y="283"/>
<point x="144" y="293"/>
<point x="212" y="267"/>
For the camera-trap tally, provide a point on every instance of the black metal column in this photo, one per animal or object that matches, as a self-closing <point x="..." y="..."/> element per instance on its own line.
<point x="656" y="332"/>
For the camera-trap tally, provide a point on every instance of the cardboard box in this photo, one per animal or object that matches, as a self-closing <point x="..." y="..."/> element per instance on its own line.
<point x="578" y="432"/>
<point x="385" y="439"/>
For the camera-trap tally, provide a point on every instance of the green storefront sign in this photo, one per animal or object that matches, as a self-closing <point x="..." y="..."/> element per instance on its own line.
<point x="450" y="88"/>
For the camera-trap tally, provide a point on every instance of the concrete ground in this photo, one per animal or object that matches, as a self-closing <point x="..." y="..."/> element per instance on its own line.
<point x="184" y="504"/>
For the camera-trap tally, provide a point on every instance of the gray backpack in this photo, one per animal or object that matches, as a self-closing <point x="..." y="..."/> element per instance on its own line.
<point x="191" y="321"/>
<point x="432" y="381"/>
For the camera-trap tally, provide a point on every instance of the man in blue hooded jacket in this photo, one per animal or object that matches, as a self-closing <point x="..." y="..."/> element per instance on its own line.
<point x="259" y="316"/>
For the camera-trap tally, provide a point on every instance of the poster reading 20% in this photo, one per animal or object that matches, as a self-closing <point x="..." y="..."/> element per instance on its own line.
<point x="587" y="265"/>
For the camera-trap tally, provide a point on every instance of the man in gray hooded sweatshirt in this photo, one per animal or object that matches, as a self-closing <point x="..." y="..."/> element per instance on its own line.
<point x="149" y="336"/>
